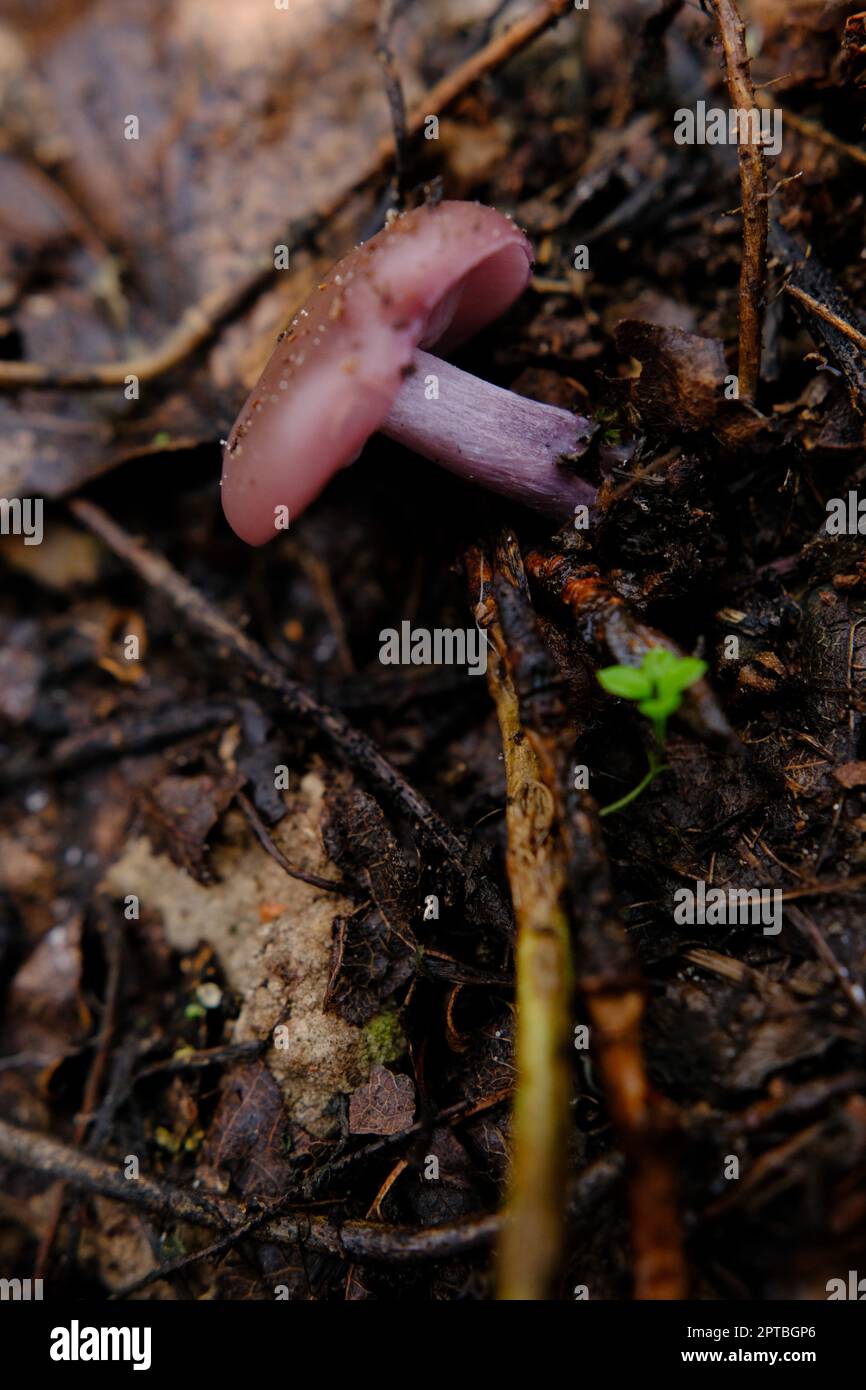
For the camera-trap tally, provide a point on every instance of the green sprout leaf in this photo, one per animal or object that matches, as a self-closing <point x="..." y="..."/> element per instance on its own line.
<point x="660" y="664"/>
<point x="657" y="687"/>
<point x="688" y="670"/>
<point x="660" y="706"/>
<point x="628" y="682"/>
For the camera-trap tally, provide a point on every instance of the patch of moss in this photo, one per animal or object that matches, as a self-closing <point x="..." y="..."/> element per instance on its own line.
<point x="384" y="1039"/>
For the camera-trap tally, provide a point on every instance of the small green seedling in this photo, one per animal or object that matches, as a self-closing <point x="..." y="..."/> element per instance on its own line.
<point x="657" y="687"/>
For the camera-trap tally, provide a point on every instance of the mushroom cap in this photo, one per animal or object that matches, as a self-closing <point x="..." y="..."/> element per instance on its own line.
<point x="431" y="278"/>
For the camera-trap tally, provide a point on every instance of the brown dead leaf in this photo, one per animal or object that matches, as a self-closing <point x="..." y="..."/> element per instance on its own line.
<point x="681" y="379"/>
<point x="370" y="961"/>
<point x="247" y="1137"/>
<point x="182" y="811"/>
<point x="385" y="1105"/>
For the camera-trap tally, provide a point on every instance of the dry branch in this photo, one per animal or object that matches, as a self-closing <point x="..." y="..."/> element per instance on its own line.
<point x="355" y="1240"/>
<point x="753" y="185"/>
<point x="823" y="312"/>
<point x="362" y="1241"/>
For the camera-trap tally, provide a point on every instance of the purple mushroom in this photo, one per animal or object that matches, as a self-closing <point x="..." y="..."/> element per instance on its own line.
<point x="356" y="360"/>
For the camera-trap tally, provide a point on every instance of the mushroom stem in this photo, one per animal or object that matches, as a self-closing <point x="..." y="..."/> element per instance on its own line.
<point x="505" y="442"/>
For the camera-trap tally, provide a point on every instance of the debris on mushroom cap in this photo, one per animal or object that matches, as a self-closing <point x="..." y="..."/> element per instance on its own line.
<point x="432" y="277"/>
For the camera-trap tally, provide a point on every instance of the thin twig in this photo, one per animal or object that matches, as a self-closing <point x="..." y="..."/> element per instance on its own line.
<point x="194" y="327"/>
<point x="182" y="1262"/>
<point x="395" y="95"/>
<point x="852" y="989"/>
<point x="203" y="1057"/>
<point x="814" y="307"/>
<point x="589" y="1188"/>
<point x="804" y="272"/>
<point x="753" y="185"/>
<point x="355" y="1240"/>
<point x="123" y="737"/>
<point x="266" y="840"/>
<point x="820" y="890"/>
<point x="362" y="1241"/>
<point x="200" y="321"/>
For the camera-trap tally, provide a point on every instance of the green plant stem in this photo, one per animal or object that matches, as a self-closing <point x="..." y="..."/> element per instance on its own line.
<point x="655" y="768"/>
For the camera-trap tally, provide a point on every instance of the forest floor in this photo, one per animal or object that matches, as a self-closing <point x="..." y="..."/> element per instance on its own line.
<point x="257" y="908"/>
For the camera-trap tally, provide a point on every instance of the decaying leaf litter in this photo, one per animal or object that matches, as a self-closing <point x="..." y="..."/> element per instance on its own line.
<point x="308" y="908"/>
